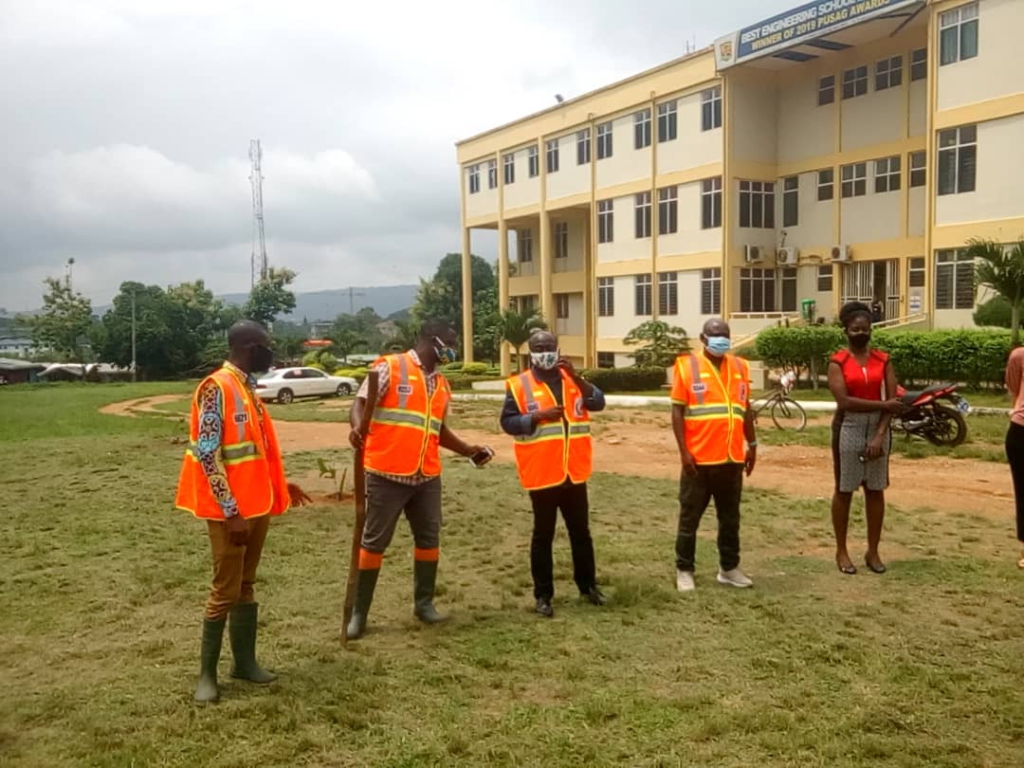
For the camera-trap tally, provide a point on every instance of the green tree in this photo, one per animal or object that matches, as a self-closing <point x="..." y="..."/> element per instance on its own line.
<point x="288" y="346"/>
<point x="347" y="342"/>
<point x="65" y="321"/>
<point x="440" y="298"/>
<point x="406" y="335"/>
<point x="658" y="344"/>
<point x="515" y="327"/>
<point x="994" y="313"/>
<point x="270" y="297"/>
<point x="1001" y="269"/>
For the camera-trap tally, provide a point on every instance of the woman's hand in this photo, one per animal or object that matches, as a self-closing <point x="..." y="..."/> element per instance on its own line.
<point x="873" y="450"/>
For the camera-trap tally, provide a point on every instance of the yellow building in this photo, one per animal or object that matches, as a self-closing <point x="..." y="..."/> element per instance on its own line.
<point x="843" y="150"/>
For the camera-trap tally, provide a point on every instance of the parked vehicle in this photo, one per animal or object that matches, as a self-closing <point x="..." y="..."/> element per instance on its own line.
<point x="929" y="417"/>
<point x="286" y="384"/>
<point x="786" y="412"/>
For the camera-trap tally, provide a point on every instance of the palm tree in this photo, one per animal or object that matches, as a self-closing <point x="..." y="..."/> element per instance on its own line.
<point x="515" y="327"/>
<point x="658" y="344"/>
<point x="1002" y="270"/>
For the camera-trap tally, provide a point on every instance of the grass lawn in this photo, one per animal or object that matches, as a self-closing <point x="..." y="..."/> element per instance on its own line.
<point x="102" y="588"/>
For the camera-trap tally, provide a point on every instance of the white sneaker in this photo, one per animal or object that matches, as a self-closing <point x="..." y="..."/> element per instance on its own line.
<point x="684" y="581"/>
<point x="734" y="578"/>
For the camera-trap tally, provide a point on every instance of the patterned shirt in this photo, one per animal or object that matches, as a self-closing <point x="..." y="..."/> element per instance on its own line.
<point x="383" y="382"/>
<point x="211" y="432"/>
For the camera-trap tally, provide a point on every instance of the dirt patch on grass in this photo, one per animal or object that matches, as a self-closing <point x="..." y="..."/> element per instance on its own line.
<point x="147" y="404"/>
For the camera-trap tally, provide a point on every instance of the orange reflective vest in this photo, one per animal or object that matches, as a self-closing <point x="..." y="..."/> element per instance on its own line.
<point x="716" y="402"/>
<point x="249" y="453"/>
<point x="405" y="431"/>
<point x="556" y="450"/>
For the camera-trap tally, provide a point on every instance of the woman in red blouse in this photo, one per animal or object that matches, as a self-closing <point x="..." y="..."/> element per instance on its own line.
<point x="863" y="383"/>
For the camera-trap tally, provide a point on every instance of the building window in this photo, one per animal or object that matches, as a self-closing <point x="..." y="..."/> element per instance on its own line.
<point x="528" y="305"/>
<point x="826" y="184"/>
<point x="757" y="290"/>
<point x="667" y="121"/>
<point x="711" y="291"/>
<point x="826" y="90"/>
<point x="919" y="65"/>
<point x="604" y="141"/>
<point x="643" y="215"/>
<point x="474" y="179"/>
<point x="642" y="129"/>
<point x="509" y="164"/>
<point x="643" y="295"/>
<point x="583" y="147"/>
<point x="533" y="155"/>
<point x="889" y="73"/>
<point x="668" y="211"/>
<point x="788" y="289"/>
<point x="824" y="278"/>
<point x="855" y="180"/>
<point x="855" y="82"/>
<point x="915" y="272"/>
<point x="887" y="174"/>
<point x="668" y="293"/>
<point x="525" y="245"/>
<point x="954" y="280"/>
<point x="958" y="34"/>
<point x="711" y="108"/>
<point x="711" y="203"/>
<point x="958" y="156"/>
<point x="492" y="174"/>
<point x="606" y="296"/>
<point x="918" y="169"/>
<point x="757" y="204"/>
<point x="562" y="240"/>
<point x="562" y="306"/>
<point x="791" y="201"/>
<point x="605" y="221"/>
<point x="552" y="147"/>
<point x="605" y="359"/>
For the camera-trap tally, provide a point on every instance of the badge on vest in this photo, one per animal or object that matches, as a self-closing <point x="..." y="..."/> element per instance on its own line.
<point x="405" y="389"/>
<point x="699" y="387"/>
<point x="743" y="391"/>
<point x="532" y="407"/>
<point x="578" y="408"/>
<point x="241" y="418"/>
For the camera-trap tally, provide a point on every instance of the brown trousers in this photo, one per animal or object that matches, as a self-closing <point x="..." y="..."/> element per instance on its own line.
<point x="234" y="568"/>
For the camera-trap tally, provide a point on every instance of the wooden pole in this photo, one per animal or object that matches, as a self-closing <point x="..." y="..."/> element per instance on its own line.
<point x="360" y="499"/>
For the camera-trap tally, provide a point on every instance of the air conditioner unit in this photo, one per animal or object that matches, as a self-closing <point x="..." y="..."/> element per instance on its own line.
<point x="753" y="254"/>
<point x="787" y="256"/>
<point x="841" y="253"/>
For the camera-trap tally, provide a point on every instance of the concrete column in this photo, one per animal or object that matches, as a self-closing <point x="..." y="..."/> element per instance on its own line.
<point x="547" y="300"/>
<point x="467" y="297"/>
<point x="506" y="369"/>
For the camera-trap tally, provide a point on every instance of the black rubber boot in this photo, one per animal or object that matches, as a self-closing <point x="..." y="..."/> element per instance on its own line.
<point x="365" y="586"/>
<point x="424" y="580"/>
<point x="209" y="654"/>
<point x="242" y="631"/>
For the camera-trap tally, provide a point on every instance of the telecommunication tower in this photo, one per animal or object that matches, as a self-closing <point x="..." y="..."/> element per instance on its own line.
<point x="260" y="266"/>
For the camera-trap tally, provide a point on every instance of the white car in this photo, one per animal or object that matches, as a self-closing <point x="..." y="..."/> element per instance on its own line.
<point x="286" y="384"/>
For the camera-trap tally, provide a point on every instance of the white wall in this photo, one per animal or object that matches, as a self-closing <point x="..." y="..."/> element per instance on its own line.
<point x="805" y="129"/>
<point x="917" y="212"/>
<point x="577" y="246"/>
<point x="1000" y="170"/>
<point x="690" y="238"/>
<point x="996" y="70"/>
<point x="918" y="124"/>
<point x="689" y="316"/>
<point x="624" y="320"/>
<point x="574" y="324"/>
<point x="626" y="163"/>
<point x="525" y="191"/>
<point x="873" y="216"/>
<point x="807" y="288"/>
<point x="625" y="246"/>
<point x="815" y="219"/>
<point x="693" y="148"/>
<point x="571" y="179"/>
<point x="874" y="118"/>
<point x="484" y="202"/>
<point x="753" y="112"/>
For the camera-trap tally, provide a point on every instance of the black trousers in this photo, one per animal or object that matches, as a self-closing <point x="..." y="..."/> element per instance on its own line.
<point x="724" y="484"/>
<point x="572" y="500"/>
<point x="1015" y="454"/>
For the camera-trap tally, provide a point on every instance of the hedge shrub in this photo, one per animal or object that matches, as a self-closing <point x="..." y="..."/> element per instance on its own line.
<point x="353" y="373"/>
<point x="975" y="358"/>
<point x="475" y="369"/>
<point x="626" y="379"/>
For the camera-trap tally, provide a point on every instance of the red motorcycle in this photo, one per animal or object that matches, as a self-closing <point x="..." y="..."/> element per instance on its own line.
<point x="928" y="417"/>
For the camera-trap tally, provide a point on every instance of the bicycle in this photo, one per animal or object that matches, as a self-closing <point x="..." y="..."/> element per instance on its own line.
<point x="786" y="412"/>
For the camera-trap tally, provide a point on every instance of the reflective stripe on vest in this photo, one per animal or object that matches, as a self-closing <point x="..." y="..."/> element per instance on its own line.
<point x="555" y="451"/>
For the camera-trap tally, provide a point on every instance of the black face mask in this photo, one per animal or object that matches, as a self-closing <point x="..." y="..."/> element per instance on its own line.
<point x="262" y="358"/>
<point x="859" y="340"/>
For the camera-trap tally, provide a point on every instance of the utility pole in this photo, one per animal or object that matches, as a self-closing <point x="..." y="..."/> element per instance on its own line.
<point x="134" y="367"/>
<point x="259" y="265"/>
<point x="352" y="293"/>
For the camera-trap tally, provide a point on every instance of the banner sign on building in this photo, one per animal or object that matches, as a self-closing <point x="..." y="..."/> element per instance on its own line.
<point x="800" y="25"/>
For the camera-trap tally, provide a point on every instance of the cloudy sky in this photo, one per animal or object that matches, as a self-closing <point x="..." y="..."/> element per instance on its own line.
<point x="126" y="126"/>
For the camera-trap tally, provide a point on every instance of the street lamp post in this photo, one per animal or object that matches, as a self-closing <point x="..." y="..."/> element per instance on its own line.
<point x="134" y="369"/>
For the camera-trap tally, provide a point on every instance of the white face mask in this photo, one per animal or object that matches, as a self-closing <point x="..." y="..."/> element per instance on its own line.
<point x="545" y="361"/>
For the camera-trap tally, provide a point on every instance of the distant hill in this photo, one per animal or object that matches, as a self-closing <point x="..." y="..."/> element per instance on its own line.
<point x="326" y="305"/>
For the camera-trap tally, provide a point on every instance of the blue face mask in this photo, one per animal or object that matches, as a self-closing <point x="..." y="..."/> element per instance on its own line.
<point x="444" y="353"/>
<point x="718" y="345"/>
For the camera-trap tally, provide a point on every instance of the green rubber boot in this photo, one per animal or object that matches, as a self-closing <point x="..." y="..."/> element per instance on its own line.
<point x="209" y="654"/>
<point x="424" y="580"/>
<point x="242" y="631"/>
<point x="365" y="586"/>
